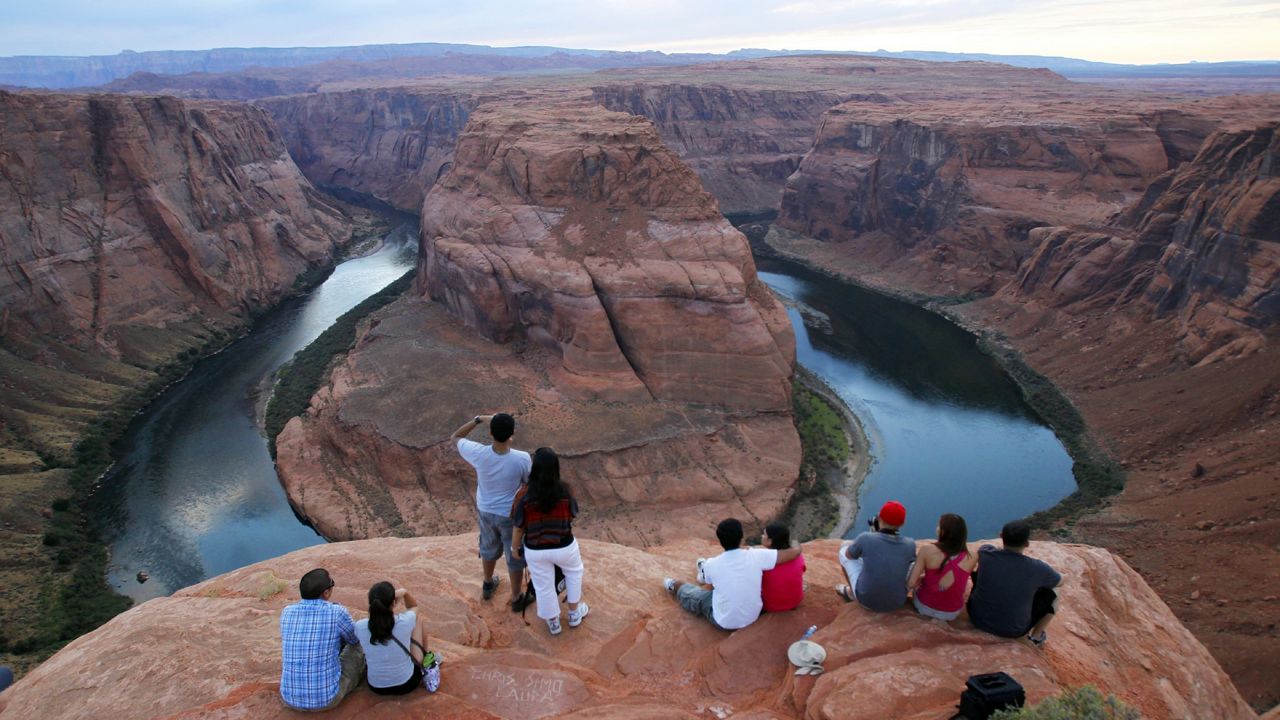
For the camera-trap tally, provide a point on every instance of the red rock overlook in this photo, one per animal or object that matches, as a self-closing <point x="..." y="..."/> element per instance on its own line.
<point x="213" y="650"/>
<point x="573" y="271"/>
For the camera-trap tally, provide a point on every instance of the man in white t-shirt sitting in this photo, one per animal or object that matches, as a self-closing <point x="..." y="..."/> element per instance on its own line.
<point x="500" y="470"/>
<point x="732" y="600"/>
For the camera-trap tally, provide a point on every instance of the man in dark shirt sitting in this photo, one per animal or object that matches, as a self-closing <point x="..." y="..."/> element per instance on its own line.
<point x="1013" y="594"/>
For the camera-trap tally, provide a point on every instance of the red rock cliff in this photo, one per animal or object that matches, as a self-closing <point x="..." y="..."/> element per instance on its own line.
<point x="131" y="228"/>
<point x="586" y="282"/>
<point x="391" y="143"/>
<point x="1203" y="246"/>
<point x="742" y="141"/>
<point x="213" y="650"/>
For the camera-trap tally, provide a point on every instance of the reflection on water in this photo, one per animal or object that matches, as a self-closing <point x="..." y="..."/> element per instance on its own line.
<point x="949" y="430"/>
<point x="195" y="493"/>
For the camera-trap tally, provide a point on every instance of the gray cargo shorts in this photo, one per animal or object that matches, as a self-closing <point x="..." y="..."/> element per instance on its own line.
<point x="495" y="539"/>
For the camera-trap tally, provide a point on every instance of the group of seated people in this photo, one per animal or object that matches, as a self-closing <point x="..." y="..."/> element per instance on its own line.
<point x="526" y="512"/>
<point x="1013" y="594"/>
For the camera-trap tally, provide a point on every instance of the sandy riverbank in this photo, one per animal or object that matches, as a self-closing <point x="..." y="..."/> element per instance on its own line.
<point x="845" y="481"/>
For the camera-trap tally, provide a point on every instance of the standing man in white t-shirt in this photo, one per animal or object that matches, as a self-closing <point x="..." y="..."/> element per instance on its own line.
<point x="733" y="600"/>
<point x="500" y="470"/>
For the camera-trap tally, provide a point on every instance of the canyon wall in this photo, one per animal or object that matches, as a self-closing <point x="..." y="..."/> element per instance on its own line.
<point x="743" y="142"/>
<point x="132" y="229"/>
<point x="574" y="272"/>
<point x="637" y="655"/>
<point x="390" y="143"/>
<point x="1202" y="247"/>
<point x="944" y="194"/>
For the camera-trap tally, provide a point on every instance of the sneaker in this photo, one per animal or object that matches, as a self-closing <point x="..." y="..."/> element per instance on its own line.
<point x="561" y="587"/>
<point x="701" y="577"/>
<point x="522" y="602"/>
<point x="575" y="617"/>
<point x="670" y="585"/>
<point x="1038" y="640"/>
<point x="553" y="624"/>
<point x="488" y="587"/>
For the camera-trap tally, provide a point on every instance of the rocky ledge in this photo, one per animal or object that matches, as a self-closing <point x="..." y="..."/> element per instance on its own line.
<point x="213" y="650"/>
<point x="572" y="271"/>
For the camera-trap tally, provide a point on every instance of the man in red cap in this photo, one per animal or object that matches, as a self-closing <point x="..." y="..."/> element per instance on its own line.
<point x="878" y="563"/>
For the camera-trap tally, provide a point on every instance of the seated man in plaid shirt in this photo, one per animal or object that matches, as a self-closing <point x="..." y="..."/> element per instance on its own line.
<point x="317" y="671"/>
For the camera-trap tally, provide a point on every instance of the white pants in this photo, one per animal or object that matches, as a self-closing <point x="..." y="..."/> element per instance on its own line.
<point x="542" y="571"/>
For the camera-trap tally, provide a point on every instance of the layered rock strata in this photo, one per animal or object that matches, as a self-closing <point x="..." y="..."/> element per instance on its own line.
<point x="945" y="193"/>
<point x="637" y="655"/>
<point x="1202" y="247"/>
<point x="133" y="228"/>
<point x="390" y="143"/>
<point x="582" y="279"/>
<point x="743" y="142"/>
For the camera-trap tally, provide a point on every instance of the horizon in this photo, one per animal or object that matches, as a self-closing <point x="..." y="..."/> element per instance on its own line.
<point x="782" y="50"/>
<point x="1149" y="32"/>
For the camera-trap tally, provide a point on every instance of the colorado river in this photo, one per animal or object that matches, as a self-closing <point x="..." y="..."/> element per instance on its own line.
<point x="195" y="493"/>
<point x="948" y="429"/>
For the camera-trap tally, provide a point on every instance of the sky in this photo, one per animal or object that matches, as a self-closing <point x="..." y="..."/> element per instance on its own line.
<point x="1127" y="31"/>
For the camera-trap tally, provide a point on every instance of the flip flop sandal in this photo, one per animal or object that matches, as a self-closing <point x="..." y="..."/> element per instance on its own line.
<point x="845" y="592"/>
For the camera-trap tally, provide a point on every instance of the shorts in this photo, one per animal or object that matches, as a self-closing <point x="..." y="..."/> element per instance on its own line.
<point x="404" y="688"/>
<point x="353" y="666"/>
<point x="495" y="539"/>
<point x="1044" y="602"/>
<point x="935" y="614"/>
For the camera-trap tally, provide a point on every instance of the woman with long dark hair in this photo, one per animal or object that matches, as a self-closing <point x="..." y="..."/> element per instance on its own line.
<point x="542" y="516"/>
<point x="942" y="569"/>
<point x="393" y="643"/>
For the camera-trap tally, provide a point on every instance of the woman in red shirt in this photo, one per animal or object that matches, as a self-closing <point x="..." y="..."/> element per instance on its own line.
<point x="542" y="530"/>
<point x="941" y="572"/>
<point x="781" y="588"/>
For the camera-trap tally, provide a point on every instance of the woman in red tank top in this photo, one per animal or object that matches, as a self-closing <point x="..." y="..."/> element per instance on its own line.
<point x="941" y="572"/>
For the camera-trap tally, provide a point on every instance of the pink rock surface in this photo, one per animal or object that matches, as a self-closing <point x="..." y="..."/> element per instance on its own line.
<point x="212" y="650"/>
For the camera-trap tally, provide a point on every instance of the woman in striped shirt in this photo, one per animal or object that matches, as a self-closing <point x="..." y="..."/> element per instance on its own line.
<point x="542" y="516"/>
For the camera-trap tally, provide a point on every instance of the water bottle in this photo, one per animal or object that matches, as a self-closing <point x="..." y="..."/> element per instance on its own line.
<point x="809" y="633"/>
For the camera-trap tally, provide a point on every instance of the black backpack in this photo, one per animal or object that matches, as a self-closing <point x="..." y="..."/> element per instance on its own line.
<point x="985" y="694"/>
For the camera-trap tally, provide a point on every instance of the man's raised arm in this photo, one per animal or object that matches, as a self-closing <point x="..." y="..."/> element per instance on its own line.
<point x="470" y="425"/>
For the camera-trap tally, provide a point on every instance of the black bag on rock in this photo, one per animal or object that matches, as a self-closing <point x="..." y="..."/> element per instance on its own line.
<point x="985" y="694"/>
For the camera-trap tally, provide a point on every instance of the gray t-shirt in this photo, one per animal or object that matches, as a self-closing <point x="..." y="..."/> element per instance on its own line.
<point x="1003" y="589"/>
<point x="388" y="665"/>
<point x="886" y="560"/>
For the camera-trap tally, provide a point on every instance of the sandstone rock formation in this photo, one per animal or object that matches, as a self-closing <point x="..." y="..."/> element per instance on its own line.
<point x="587" y="283"/>
<point x="212" y="650"/>
<point x="578" y="230"/>
<point x="1203" y="245"/>
<point x="390" y="143"/>
<point x="132" y="228"/>
<point x="743" y="142"/>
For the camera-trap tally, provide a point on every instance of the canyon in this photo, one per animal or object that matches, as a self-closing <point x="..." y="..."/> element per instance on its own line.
<point x="572" y="271"/>
<point x="135" y="234"/>
<point x="637" y="655"/>
<point x="1120" y="241"/>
